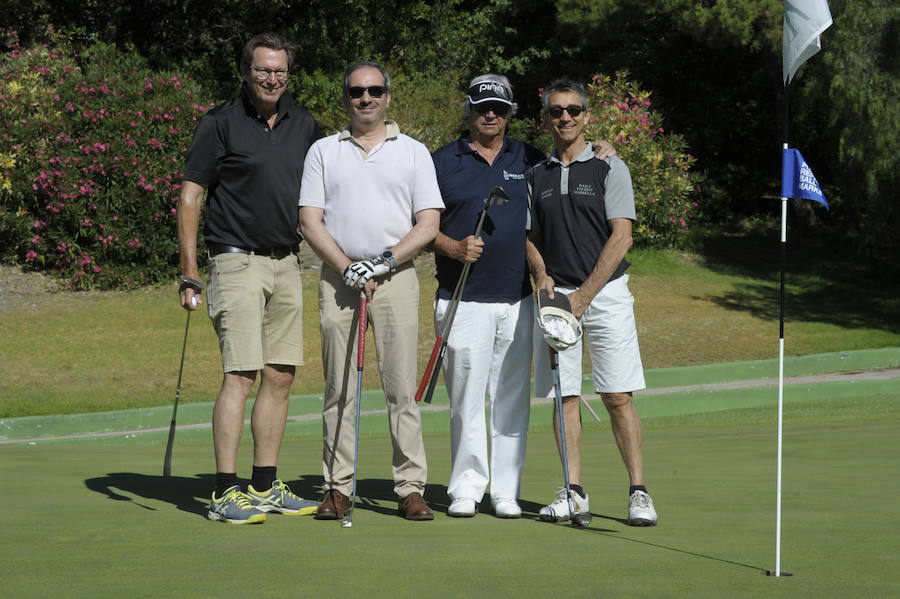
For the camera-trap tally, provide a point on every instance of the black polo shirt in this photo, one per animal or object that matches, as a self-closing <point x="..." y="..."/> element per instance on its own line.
<point x="571" y="206"/>
<point x="252" y="172"/>
<point x="465" y="180"/>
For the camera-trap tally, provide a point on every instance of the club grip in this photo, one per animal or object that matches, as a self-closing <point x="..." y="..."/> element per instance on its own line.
<point x="429" y="368"/>
<point x="435" y="373"/>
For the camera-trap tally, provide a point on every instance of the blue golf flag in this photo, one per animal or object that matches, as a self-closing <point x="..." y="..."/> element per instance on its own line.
<point x="797" y="179"/>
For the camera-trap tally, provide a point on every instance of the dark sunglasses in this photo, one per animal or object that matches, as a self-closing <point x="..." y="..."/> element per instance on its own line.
<point x="573" y="109"/>
<point x="376" y="91"/>
<point x="498" y="109"/>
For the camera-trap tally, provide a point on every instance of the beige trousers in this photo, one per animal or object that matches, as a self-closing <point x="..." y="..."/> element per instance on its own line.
<point x="393" y="317"/>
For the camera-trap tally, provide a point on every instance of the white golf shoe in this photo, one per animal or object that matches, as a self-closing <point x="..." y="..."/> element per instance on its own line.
<point x="558" y="511"/>
<point x="506" y="508"/>
<point x="462" y="508"/>
<point x="640" y="510"/>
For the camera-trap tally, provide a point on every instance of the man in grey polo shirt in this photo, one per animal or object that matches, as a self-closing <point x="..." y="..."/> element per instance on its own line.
<point x="574" y="197"/>
<point x="369" y="203"/>
<point x="247" y="158"/>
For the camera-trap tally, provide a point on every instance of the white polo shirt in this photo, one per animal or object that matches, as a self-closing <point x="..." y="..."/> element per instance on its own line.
<point x="370" y="198"/>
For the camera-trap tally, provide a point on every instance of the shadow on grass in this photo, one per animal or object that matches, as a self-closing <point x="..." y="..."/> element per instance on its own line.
<point x="180" y="491"/>
<point x="606" y="533"/>
<point x="824" y="282"/>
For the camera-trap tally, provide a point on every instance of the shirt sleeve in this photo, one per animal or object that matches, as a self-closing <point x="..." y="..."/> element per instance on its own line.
<point x="207" y="148"/>
<point x="312" y="184"/>
<point x="425" y="191"/>
<point x="619" y="196"/>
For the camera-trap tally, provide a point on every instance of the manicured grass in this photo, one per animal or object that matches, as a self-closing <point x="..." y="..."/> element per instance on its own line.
<point x="94" y="518"/>
<point x="89" y="352"/>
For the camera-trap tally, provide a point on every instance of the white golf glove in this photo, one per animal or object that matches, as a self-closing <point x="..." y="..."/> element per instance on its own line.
<point x="358" y="273"/>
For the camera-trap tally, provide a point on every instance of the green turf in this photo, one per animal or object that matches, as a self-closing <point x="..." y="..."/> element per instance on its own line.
<point x="94" y="518"/>
<point x="128" y="529"/>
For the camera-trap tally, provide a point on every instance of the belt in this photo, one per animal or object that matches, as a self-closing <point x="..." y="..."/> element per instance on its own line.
<point x="215" y="249"/>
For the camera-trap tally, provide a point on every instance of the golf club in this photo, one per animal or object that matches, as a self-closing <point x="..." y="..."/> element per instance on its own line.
<point x="433" y="368"/>
<point x="347" y="522"/>
<point x="167" y="461"/>
<point x="582" y="520"/>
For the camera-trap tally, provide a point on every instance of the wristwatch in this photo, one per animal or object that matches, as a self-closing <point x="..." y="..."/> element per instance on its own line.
<point x="186" y="282"/>
<point x="388" y="258"/>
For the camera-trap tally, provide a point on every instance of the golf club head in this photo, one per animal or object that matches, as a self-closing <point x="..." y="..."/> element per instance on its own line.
<point x="582" y="520"/>
<point x="498" y="196"/>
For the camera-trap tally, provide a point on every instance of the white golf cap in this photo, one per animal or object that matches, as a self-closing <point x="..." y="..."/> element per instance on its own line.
<point x="560" y="327"/>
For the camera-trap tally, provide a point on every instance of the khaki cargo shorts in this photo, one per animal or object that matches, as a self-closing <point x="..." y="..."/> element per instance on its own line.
<point x="256" y="306"/>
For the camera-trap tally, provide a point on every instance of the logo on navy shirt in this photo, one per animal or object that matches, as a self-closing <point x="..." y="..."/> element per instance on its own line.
<point x="507" y="176"/>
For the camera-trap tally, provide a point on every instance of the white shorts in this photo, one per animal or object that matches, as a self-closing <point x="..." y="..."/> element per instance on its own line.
<point x="611" y="334"/>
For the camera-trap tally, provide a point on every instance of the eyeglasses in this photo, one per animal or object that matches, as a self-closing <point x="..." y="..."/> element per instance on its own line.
<point x="573" y="109"/>
<point x="261" y="74"/>
<point x="376" y="91"/>
<point x="500" y="109"/>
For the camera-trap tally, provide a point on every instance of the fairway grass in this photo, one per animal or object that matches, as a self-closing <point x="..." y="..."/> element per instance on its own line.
<point x="95" y="518"/>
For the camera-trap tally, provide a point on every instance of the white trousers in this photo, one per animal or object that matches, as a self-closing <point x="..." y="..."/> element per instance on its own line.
<point x="488" y="354"/>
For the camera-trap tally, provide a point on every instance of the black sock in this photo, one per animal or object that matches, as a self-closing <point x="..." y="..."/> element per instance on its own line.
<point x="634" y="488"/>
<point x="578" y="489"/>
<point x="224" y="481"/>
<point x="263" y="477"/>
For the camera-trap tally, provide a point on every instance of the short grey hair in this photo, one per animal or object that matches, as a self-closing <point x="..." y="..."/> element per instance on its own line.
<point x="269" y="40"/>
<point x="502" y="79"/>
<point x="361" y="65"/>
<point x="564" y="85"/>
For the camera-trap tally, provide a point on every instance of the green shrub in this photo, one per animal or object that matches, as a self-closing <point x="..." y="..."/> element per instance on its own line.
<point x="659" y="162"/>
<point x="91" y="157"/>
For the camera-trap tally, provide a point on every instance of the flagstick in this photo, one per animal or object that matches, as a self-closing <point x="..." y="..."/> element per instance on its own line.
<point x="783" y="263"/>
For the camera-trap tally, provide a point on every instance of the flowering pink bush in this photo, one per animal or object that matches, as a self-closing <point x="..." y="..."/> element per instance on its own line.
<point x="659" y="162"/>
<point x="91" y="152"/>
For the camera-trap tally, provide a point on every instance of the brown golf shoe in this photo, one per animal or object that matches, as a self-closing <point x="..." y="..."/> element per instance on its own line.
<point x="334" y="505"/>
<point x="413" y="507"/>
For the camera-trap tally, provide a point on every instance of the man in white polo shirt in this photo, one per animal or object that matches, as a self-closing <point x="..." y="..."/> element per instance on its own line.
<point x="369" y="203"/>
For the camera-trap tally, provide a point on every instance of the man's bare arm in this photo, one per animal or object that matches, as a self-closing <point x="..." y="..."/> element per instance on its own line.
<point x="187" y="216"/>
<point x="614" y="250"/>
<point x="312" y="227"/>
<point x="468" y="249"/>
<point x="422" y="233"/>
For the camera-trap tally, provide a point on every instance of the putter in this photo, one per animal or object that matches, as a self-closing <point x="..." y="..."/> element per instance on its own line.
<point x="167" y="461"/>
<point x="433" y="368"/>
<point x="581" y="520"/>
<point x="347" y="522"/>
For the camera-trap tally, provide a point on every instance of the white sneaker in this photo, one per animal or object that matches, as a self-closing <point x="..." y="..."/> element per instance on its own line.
<point x="640" y="510"/>
<point x="506" y="508"/>
<point x="558" y="511"/>
<point x="461" y="508"/>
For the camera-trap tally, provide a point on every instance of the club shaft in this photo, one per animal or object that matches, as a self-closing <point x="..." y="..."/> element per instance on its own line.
<point x="360" y="364"/>
<point x="561" y="418"/>
<point x="167" y="461"/>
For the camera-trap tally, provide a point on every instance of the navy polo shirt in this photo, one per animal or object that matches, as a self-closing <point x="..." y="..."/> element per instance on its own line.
<point x="252" y="172"/>
<point x="465" y="180"/>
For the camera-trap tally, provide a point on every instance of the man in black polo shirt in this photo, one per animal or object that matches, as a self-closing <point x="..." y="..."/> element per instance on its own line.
<point x="247" y="158"/>
<point x="582" y="212"/>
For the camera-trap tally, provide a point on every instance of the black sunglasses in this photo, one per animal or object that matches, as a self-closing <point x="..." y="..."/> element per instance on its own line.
<point x="376" y="91"/>
<point x="573" y="109"/>
<point x="499" y="109"/>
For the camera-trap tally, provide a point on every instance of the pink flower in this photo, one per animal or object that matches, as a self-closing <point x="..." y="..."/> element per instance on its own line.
<point x="31" y="255"/>
<point x="36" y="239"/>
<point x="38" y="224"/>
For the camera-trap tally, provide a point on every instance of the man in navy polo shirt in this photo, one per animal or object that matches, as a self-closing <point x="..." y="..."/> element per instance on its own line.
<point x="489" y="345"/>
<point x="582" y="212"/>
<point x="247" y="158"/>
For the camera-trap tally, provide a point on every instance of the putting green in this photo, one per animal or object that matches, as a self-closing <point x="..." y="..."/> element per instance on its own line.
<point x="95" y="518"/>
